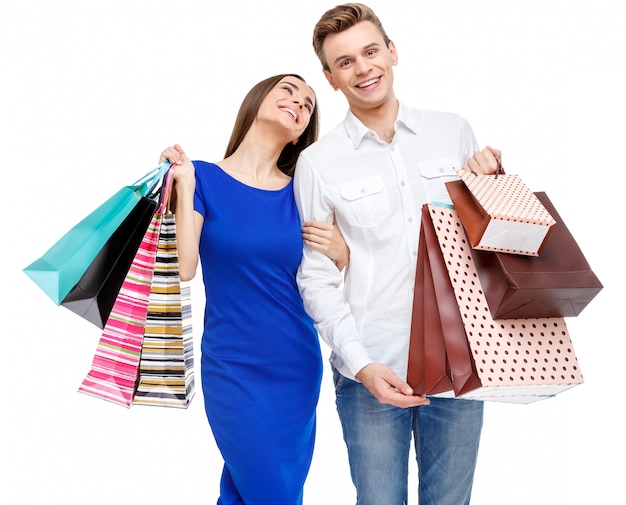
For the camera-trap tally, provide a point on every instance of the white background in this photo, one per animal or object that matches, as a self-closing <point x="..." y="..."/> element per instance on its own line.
<point x="92" y="91"/>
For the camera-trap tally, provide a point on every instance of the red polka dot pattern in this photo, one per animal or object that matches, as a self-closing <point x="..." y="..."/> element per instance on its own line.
<point x="507" y="198"/>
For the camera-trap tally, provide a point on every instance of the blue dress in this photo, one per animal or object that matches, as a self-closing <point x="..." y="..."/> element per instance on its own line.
<point x="261" y="360"/>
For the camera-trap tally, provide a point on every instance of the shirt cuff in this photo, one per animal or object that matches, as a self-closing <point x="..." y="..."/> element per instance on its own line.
<point x="355" y="357"/>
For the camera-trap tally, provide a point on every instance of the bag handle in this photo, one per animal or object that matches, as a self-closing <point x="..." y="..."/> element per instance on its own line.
<point x="147" y="183"/>
<point x="166" y="191"/>
<point x="499" y="170"/>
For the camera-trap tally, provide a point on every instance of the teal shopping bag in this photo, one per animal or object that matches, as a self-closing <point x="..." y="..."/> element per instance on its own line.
<point x="62" y="266"/>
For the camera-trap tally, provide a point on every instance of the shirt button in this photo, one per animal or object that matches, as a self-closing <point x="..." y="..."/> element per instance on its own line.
<point x="402" y="183"/>
<point x="414" y="253"/>
<point x="441" y="169"/>
<point x="410" y="220"/>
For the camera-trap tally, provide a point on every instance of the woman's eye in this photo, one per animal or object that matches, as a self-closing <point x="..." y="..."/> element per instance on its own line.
<point x="289" y="90"/>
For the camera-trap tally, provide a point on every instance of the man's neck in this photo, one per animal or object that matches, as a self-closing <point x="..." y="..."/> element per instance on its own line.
<point x="380" y="119"/>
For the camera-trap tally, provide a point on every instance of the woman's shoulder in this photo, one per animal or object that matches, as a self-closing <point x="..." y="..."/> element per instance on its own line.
<point x="205" y="169"/>
<point x="206" y="165"/>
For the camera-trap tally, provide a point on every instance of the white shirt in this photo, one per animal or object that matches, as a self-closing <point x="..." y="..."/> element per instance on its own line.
<point x="376" y="191"/>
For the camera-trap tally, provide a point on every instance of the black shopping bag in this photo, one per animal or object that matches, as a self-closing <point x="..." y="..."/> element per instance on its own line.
<point x="93" y="296"/>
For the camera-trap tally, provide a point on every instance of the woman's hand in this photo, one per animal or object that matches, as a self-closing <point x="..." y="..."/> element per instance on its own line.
<point x="188" y="222"/>
<point x="184" y="172"/>
<point x="327" y="239"/>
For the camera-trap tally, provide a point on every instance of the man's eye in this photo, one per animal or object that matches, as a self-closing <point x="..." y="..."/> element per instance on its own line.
<point x="371" y="52"/>
<point x="344" y="63"/>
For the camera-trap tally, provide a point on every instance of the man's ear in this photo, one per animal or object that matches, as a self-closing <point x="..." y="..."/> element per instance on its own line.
<point x="330" y="79"/>
<point x="394" y="53"/>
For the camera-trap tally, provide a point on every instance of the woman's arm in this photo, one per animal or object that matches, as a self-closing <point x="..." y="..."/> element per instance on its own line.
<point x="188" y="221"/>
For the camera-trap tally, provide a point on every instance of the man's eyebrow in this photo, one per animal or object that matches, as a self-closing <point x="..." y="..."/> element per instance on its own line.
<point x="294" y="86"/>
<point x="365" y="48"/>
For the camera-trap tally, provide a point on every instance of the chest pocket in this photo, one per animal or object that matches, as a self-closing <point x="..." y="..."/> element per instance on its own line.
<point x="367" y="204"/>
<point x="435" y="173"/>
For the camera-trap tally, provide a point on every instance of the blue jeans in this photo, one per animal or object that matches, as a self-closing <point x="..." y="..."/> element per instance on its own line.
<point x="378" y="438"/>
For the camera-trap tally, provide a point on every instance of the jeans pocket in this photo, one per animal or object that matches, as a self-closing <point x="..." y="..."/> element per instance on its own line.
<point x="338" y="380"/>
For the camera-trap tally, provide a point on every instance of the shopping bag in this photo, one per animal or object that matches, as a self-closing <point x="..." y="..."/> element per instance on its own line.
<point x="115" y="367"/>
<point x="166" y="370"/>
<point x="500" y="213"/>
<point x="558" y="283"/>
<point x="516" y="360"/>
<point x="61" y="267"/>
<point x="462" y="367"/>
<point x="428" y="370"/>
<point x="93" y="296"/>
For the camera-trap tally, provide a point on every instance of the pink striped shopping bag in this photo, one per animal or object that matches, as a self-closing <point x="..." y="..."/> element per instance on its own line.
<point x="113" y="373"/>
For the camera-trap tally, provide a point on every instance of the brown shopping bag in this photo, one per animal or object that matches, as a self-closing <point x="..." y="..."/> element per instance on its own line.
<point x="515" y="360"/>
<point x="464" y="374"/>
<point x="557" y="283"/>
<point x="428" y="369"/>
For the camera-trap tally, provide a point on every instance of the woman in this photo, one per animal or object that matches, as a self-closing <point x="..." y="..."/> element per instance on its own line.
<point x="261" y="360"/>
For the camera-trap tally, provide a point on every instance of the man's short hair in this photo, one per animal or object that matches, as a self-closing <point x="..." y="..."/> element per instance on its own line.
<point x="339" y="19"/>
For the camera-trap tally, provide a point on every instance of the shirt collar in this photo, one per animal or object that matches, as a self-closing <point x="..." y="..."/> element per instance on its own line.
<point x="356" y="130"/>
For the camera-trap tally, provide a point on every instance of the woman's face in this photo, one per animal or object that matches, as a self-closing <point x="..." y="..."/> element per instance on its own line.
<point x="290" y="104"/>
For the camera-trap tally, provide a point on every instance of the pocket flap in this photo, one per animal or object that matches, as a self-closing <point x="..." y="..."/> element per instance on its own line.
<point x="439" y="167"/>
<point x="361" y="188"/>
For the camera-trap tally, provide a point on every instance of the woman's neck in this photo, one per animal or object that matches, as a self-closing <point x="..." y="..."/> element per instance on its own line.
<point x="255" y="163"/>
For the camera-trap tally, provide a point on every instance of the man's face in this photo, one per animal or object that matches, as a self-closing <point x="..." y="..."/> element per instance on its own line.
<point x="360" y="65"/>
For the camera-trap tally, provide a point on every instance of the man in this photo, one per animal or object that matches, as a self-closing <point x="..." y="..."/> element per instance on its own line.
<point x="374" y="172"/>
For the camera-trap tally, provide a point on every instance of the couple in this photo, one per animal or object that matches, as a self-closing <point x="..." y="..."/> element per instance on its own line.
<point x="261" y="362"/>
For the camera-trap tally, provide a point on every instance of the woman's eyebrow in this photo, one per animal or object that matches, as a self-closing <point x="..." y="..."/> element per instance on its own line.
<point x="294" y="86"/>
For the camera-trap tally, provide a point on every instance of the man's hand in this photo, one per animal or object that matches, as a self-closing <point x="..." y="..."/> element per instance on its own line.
<point x="387" y="387"/>
<point x="485" y="162"/>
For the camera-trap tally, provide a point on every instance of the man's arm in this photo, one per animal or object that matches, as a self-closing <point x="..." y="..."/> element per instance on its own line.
<point x="320" y="281"/>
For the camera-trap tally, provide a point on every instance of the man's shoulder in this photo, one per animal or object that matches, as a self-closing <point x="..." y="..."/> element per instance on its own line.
<point x="336" y="138"/>
<point x="429" y="115"/>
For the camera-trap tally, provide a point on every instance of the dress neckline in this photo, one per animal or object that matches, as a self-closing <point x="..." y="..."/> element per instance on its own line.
<point x="254" y="188"/>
